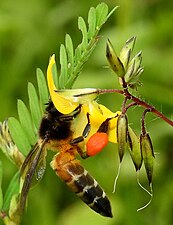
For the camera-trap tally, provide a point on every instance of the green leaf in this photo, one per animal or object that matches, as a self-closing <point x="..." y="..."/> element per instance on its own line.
<point x="101" y="14"/>
<point x="34" y="105"/>
<point x="70" y="52"/>
<point x="77" y="54"/>
<point x="26" y="122"/>
<point x="96" y="18"/>
<point x="1" y="194"/>
<point x="83" y="28"/>
<point x="3" y="138"/>
<point x="18" y="135"/>
<point x="12" y="189"/>
<point x="42" y="89"/>
<point x="111" y="12"/>
<point x="91" y="22"/>
<point x="63" y="62"/>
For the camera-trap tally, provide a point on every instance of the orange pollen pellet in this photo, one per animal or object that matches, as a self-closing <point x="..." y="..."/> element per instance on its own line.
<point x="96" y="143"/>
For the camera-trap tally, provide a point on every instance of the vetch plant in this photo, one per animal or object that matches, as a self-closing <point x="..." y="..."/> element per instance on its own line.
<point x="73" y="123"/>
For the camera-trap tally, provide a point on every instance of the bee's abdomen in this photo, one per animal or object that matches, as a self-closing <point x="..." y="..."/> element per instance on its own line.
<point x="89" y="190"/>
<point x="79" y="181"/>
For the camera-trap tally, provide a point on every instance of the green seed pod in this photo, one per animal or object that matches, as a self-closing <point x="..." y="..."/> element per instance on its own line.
<point x="14" y="211"/>
<point x="126" y="51"/>
<point x="114" y="62"/>
<point x="147" y="154"/>
<point x="134" y="148"/>
<point x="122" y="126"/>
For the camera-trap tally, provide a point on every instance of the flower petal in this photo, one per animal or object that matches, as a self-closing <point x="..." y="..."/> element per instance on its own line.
<point x="62" y="104"/>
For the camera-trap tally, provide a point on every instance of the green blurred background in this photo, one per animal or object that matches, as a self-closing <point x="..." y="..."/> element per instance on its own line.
<point x="30" y="31"/>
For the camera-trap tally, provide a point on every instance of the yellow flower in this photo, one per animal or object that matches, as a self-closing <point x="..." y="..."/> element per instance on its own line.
<point x="67" y="100"/>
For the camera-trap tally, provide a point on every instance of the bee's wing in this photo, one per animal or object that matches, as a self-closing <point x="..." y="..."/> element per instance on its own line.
<point x="32" y="170"/>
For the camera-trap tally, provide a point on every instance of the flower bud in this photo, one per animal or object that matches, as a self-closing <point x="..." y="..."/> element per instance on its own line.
<point x="114" y="62"/>
<point x="126" y="51"/>
<point x="134" y="148"/>
<point x="8" y="146"/>
<point x="147" y="154"/>
<point x="134" y="70"/>
<point x="122" y="126"/>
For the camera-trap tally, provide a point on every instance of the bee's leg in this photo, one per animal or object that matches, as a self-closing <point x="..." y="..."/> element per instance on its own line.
<point x="87" y="127"/>
<point x="98" y="140"/>
<point x="84" y="133"/>
<point x="70" y="116"/>
<point x="77" y="140"/>
<point x="103" y="128"/>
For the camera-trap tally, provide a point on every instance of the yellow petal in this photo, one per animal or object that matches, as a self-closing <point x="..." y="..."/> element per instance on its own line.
<point x="61" y="103"/>
<point x="98" y="114"/>
<point x="112" y="133"/>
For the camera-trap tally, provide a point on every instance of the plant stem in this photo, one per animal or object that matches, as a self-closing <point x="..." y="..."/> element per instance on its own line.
<point x="138" y="101"/>
<point x="143" y="129"/>
<point x="123" y="108"/>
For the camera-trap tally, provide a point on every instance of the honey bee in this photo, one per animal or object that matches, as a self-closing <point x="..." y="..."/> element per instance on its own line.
<point x="73" y="124"/>
<point x="55" y="133"/>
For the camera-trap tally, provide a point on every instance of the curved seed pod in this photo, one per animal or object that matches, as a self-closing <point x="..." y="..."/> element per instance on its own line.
<point x="114" y="62"/>
<point x="147" y="154"/>
<point x="122" y="127"/>
<point x="134" y="148"/>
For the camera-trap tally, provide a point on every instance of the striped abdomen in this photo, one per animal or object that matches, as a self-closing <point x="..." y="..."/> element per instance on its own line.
<point x="80" y="182"/>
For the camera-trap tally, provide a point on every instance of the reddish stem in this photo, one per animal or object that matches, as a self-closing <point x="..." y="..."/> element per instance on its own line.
<point x="140" y="102"/>
<point x="143" y="129"/>
<point x="124" y="109"/>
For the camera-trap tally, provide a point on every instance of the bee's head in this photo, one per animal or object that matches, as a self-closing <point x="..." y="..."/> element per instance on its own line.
<point x="52" y="110"/>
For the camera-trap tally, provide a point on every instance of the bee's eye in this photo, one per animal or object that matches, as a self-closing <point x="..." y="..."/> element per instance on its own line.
<point x="96" y="143"/>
